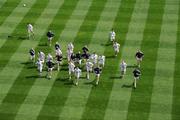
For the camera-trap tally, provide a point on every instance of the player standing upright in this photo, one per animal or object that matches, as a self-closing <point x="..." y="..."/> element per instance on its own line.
<point x="49" y="57"/>
<point x="97" y="71"/>
<point x="30" y="31"/>
<point x="57" y="46"/>
<point x="70" y="50"/>
<point x="101" y="60"/>
<point x="89" y="68"/>
<point x="136" y="74"/>
<point x="112" y="35"/>
<point x="50" y="64"/>
<point x="59" y="57"/>
<point x="77" y="73"/>
<point x="123" y="68"/>
<point x="41" y="56"/>
<point x="139" y="56"/>
<point x="39" y="64"/>
<point x="94" y="58"/>
<point x="71" y="67"/>
<point x="50" y="36"/>
<point x="32" y="54"/>
<point x="116" y="47"/>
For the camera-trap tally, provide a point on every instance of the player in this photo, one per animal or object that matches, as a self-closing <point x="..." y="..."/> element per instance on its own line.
<point x="77" y="73"/>
<point x="30" y="30"/>
<point x="71" y="67"/>
<point x="116" y="47"/>
<point x="70" y="50"/>
<point x="41" y="56"/>
<point x="71" y="47"/>
<point x="50" y="65"/>
<point x="85" y="49"/>
<point x="59" y="57"/>
<point x="89" y="67"/>
<point x="101" y="60"/>
<point x="139" y="56"/>
<point x="123" y="66"/>
<point x="112" y="35"/>
<point x="97" y="71"/>
<point x="50" y="36"/>
<point x="57" y="46"/>
<point x="78" y="58"/>
<point x="85" y="57"/>
<point x="49" y="57"/>
<point x="32" y="54"/>
<point x="94" y="58"/>
<point x="136" y="74"/>
<point x="39" y="64"/>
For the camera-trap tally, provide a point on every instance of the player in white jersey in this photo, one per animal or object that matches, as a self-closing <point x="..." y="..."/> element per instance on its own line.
<point x="39" y="64"/>
<point x="94" y="58"/>
<point x="116" y="47"/>
<point x="71" y="47"/>
<point x="49" y="57"/>
<point x="112" y="35"/>
<point x="71" y="67"/>
<point x="89" y="68"/>
<point x="101" y="60"/>
<point x="77" y="73"/>
<point x="123" y="67"/>
<point x="69" y="53"/>
<point x="30" y="30"/>
<point x="41" y="56"/>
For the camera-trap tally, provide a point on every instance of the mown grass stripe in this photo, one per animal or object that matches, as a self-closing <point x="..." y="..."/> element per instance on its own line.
<point x="150" y="44"/>
<point x="95" y="95"/>
<point x="118" y="106"/>
<point x="162" y="95"/>
<point x="57" y="100"/>
<point x="176" y="87"/>
<point x="9" y="23"/>
<point x="6" y="7"/>
<point x="62" y="14"/>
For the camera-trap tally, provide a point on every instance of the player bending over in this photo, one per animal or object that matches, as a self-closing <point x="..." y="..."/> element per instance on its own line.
<point x="50" y="36"/>
<point x="136" y="74"/>
<point x="77" y="73"/>
<point x="71" y="67"/>
<point x="139" y="56"/>
<point x="32" y="54"/>
<point x="89" y="68"/>
<point x="116" y="47"/>
<point x="123" y="66"/>
<point x="30" y="31"/>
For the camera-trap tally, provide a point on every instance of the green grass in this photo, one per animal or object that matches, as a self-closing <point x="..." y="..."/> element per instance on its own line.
<point x="149" y="25"/>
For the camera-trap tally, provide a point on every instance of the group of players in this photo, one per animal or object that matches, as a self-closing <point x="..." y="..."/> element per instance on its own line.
<point x="92" y="62"/>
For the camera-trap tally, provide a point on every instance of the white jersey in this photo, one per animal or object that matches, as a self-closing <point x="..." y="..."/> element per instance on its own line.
<point x="49" y="57"/>
<point x="112" y="35"/>
<point x="116" y="47"/>
<point x="123" y="66"/>
<point x="101" y="60"/>
<point x="41" y="56"/>
<point x="94" y="58"/>
<point x="58" y="52"/>
<point x="70" y="47"/>
<point x="71" y="67"/>
<point x="39" y="65"/>
<point x="77" y="72"/>
<point x="89" y="66"/>
<point x="30" y="28"/>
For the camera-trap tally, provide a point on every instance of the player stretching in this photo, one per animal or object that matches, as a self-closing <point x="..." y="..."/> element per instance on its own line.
<point x="139" y="56"/>
<point x="50" y="65"/>
<point x="136" y="73"/>
<point x="112" y="35"/>
<point x="50" y="36"/>
<point x="71" y="67"/>
<point x="116" y="47"/>
<point x="77" y="73"/>
<point x="32" y="55"/>
<point x="123" y="68"/>
<point x="89" y="67"/>
<point x="30" y="31"/>
<point x="97" y="71"/>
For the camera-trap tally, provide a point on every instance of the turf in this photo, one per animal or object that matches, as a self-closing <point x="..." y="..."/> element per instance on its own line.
<point x="149" y="25"/>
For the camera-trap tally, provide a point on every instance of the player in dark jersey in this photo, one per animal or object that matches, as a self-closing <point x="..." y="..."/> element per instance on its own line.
<point x="136" y="74"/>
<point x="57" y="46"/>
<point x="50" y="36"/>
<point x="97" y="71"/>
<point x="85" y="56"/>
<point x="78" y="58"/>
<point x="32" y="55"/>
<point x="139" y="56"/>
<point x="50" y="65"/>
<point x="85" y="49"/>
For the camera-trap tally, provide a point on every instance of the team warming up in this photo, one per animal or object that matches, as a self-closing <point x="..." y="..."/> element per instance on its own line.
<point x="82" y="61"/>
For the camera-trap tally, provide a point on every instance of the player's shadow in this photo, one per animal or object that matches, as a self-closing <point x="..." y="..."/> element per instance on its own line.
<point x="116" y="77"/>
<point x="26" y="63"/>
<point x="62" y="79"/>
<point x="106" y="44"/>
<point x="43" y="44"/>
<point x="35" y="77"/>
<point x="23" y="38"/>
<point x="111" y="56"/>
<point x="132" y="66"/>
<point x="127" y="86"/>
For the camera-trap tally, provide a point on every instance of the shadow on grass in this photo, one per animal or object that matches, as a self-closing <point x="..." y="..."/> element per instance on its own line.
<point x="116" y="77"/>
<point x="107" y="44"/>
<point x="43" y="44"/>
<point x="35" y="77"/>
<point x="127" y="86"/>
<point x="112" y="56"/>
<point x="132" y="66"/>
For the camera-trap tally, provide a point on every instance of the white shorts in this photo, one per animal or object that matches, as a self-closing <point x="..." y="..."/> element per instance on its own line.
<point x="138" y="59"/>
<point x="50" y="38"/>
<point x="50" y="69"/>
<point x="116" y="50"/>
<point x="112" y="38"/>
<point x="136" y="78"/>
<point x="97" y="75"/>
<point x="30" y="31"/>
<point x="71" y="71"/>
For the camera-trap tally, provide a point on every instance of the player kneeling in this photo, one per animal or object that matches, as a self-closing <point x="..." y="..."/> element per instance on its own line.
<point x="50" y="65"/>
<point x="89" y="67"/>
<point x="71" y="67"/>
<point x="32" y="54"/>
<point x="39" y="64"/>
<point x="123" y="68"/>
<point x="97" y="71"/>
<point x="77" y="73"/>
<point x="116" y="47"/>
